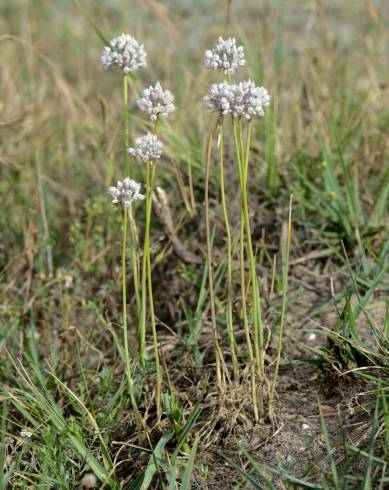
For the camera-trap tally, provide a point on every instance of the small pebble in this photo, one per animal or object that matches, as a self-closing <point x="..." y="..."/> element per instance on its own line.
<point x="312" y="336"/>
<point x="305" y="426"/>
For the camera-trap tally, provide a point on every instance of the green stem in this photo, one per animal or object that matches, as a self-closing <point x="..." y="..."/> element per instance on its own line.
<point x="146" y="245"/>
<point x="241" y="255"/>
<point x="230" y="325"/>
<point x="242" y="157"/>
<point x="257" y="316"/>
<point x="125" y="115"/>
<point x="218" y="353"/>
<point x="149" y="198"/>
<point x="134" y="257"/>
<point x="125" y="328"/>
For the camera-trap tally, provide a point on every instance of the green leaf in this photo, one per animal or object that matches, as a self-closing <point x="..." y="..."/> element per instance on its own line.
<point x="185" y="484"/>
<point x="154" y="461"/>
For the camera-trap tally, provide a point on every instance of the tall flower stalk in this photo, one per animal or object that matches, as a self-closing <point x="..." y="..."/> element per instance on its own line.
<point x="124" y="194"/>
<point x="249" y="341"/>
<point x="243" y="101"/>
<point x="158" y="103"/>
<point x="218" y="352"/>
<point x="134" y="238"/>
<point x="229" y="317"/>
<point x="243" y="161"/>
<point x="150" y="175"/>
<point x="124" y="52"/>
<point x="246" y="102"/>
<point x="148" y="149"/>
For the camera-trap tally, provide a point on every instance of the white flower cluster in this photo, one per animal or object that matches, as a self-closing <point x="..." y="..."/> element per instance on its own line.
<point x="225" y="56"/>
<point x="124" y="52"/>
<point x="248" y="100"/>
<point x="218" y="98"/>
<point x="126" y="192"/>
<point x="26" y="433"/>
<point x="147" y="148"/>
<point x="157" y="102"/>
<point x="244" y="99"/>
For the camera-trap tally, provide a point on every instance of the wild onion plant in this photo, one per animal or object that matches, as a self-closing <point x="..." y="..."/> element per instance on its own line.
<point x="124" y="52"/>
<point x="158" y="103"/>
<point x="243" y="102"/>
<point x="148" y="148"/>
<point x="124" y="194"/>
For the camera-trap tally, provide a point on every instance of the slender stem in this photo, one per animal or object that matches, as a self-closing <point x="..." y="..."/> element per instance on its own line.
<point x="146" y="245"/>
<point x="241" y="255"/>
<point x="257" y="315"/>
<point x="134" y="258"/>
<point x="125" y="120"/>
<point x="283" y="310"/>
<point x="242" y="158"/>
<point x="124" y="283"/>
<point x="149" y="197"/>
<point x="230" y="325"/>
<point x="133" y="244"/>
<point x="125" y="328"/>
<point x="210" y="272"/>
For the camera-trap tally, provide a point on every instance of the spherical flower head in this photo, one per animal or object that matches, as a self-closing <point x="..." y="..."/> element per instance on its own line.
<point x="225" y="56"/>
<point x="218" y="98"/>
<point x="147" y="148"/>
<point x="247" y="100"/>
<point x="89" y="480"/>
<point x="124" y="52"/>
<point x="126" y="192"/>
<point x="157" y="102"/>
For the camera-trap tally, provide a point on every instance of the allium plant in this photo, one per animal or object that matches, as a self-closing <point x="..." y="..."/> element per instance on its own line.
<point x="225" y="56"/>
<point x="126" y="53"/>
<point x="157" y="102"/>
<point x="243" y="101"/>
<point x="124" y="194"/>
<point x="148" y="149"/>
<point x="218" y="100"/>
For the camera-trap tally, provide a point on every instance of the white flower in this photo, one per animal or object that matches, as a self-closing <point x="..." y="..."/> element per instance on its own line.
<point x="125" y="52"/>
<point x="218" y="98"/>
<point x="147" y="148"/>
<point x="26" y="433"/>
<point x="157" y="102"/>
<point x="126" y="192"/>
<point x="248" y="100"/>
<point x="89" y="480"/>
<point x="225" y="56"/>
